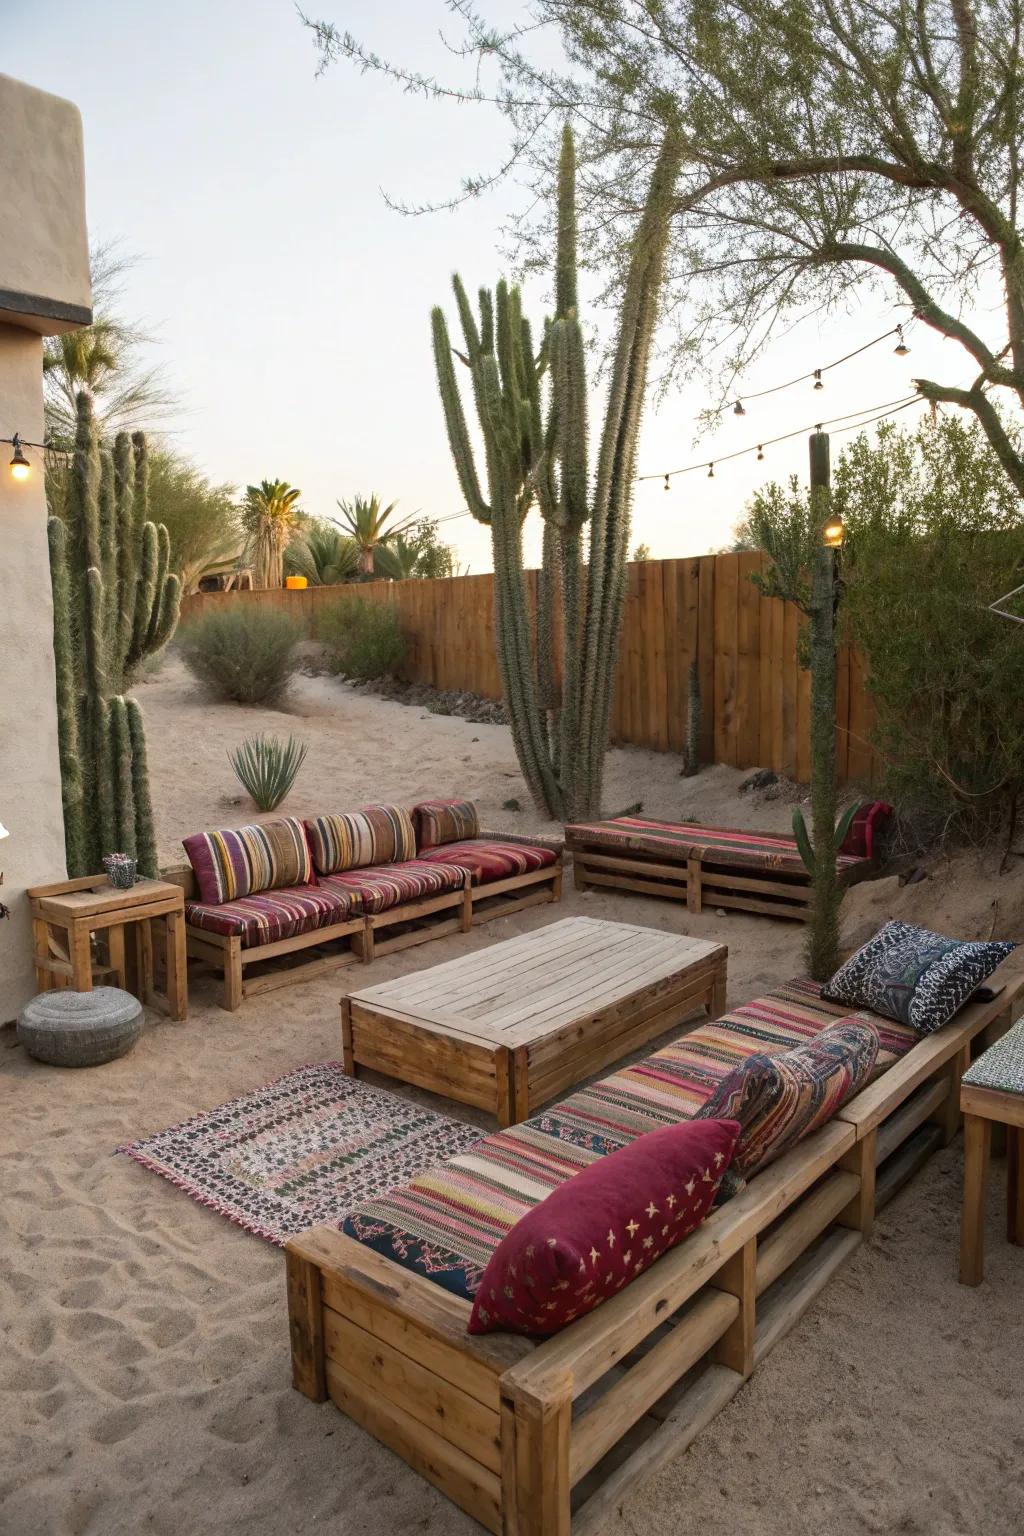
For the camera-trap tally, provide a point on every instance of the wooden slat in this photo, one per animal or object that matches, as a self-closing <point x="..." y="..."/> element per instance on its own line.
<point x="596" y="1431"/>
<point x="413" y="1387"/>
<point x="474" y="1487"/>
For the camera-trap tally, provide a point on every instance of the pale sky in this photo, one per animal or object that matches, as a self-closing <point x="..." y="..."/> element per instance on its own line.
<point x="293" y="306"/>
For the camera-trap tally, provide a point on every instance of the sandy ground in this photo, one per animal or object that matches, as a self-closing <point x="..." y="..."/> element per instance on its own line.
<point x="144" y="1376"/>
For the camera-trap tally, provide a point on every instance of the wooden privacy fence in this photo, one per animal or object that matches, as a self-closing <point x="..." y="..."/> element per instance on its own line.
<point x="755" y="697"/>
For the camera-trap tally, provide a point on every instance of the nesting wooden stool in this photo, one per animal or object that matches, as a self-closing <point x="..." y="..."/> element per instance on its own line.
<point x="80" y="927"/>
<point x="992" y="1092"/>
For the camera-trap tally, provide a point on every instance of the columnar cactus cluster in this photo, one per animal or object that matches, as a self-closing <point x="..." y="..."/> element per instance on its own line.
<point x="536" y="453"/>
<point x="115" y="603"/>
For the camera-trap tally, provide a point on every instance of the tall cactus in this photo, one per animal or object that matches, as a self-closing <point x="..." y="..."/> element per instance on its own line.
<point x="536" y="453"/>
<point x="114" y="603"/>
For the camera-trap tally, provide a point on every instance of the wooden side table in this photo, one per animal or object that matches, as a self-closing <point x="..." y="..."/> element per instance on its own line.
<point x="79" y="936"/>
<point x="992" y="1092"/>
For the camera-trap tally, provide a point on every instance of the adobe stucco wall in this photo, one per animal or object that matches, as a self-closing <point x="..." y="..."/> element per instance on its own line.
<point x="44" y="288"/>
<point x="30" y="806"/>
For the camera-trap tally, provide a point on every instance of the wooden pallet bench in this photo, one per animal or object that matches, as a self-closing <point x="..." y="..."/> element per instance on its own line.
<point x="260" y="968"/>
<point x="703" y="866"/>
<point x="547" y="1438"/>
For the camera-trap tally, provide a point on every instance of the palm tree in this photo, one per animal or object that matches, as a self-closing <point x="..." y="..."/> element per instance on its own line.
<point x="398" y="559"/>
<point x="367" y="522"/>
<point x="269" y="514"/>
<point x="321" y="553"/>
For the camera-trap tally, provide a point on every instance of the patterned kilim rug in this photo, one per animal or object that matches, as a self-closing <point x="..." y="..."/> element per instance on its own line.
<point x="301" y="1151"/>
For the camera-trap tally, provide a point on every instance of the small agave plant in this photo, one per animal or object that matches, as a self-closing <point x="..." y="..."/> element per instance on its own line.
<point x="266" y="767"/>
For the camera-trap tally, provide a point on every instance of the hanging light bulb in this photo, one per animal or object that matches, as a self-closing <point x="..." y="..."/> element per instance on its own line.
<point x="817" y="379"/>
<point x="760" y="451"/>
<point x="738" y="410"/>
<point x="711" y="471"/>
<point x="900" y="349"/>
<point x="20" y="466"/>
<point x="666" y="482"/>
<point x="834" y="532"/>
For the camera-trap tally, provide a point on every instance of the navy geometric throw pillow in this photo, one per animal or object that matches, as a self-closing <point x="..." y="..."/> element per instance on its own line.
<point x="914" y="976"/>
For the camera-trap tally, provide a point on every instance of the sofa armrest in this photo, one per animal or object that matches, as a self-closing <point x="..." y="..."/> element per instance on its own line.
<point x="183" y="875"/>
<point x="530" y="839"/>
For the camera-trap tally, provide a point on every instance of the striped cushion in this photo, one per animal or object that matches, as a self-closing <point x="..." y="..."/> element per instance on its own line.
<point x="375" y="834"/>
<point x="778" y="1100"/>
<point x="444" y="821"/>
<point x="377" y="889"/>
<point x="680" y="840"/>
<point x="264" y="857"/>
<point x="447" y="1223"/>
<point x="274" y="915"/>
<point x="487" y="861"/>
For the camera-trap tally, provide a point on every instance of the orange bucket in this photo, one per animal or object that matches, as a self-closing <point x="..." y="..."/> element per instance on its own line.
<point x="296" y="583"/>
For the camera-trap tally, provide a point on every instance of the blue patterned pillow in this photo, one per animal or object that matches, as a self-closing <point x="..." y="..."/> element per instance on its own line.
<point x="913" y="975"/>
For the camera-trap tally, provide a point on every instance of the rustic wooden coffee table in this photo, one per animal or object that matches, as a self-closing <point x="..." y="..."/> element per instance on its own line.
<point x="509" y="1027"/>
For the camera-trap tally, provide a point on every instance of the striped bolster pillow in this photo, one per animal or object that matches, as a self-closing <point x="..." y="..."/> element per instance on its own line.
<point x="242" y="862"/>
<point x="445" y="821"/>
<point x="375" y="834"/>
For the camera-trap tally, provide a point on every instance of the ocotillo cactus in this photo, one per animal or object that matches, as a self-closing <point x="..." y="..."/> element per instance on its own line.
<point x="805" y="572"/>
<point x="538" y="457"/>
<point x="114" y="603"/>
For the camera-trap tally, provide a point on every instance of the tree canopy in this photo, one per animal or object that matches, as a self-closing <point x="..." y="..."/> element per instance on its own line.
<point x="827" y="145"/>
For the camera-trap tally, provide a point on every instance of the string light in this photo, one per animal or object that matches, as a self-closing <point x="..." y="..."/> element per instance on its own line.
<point x="900" y="349"/>
<point x="815" y="373"/>
<point x="869" y="413"/>
<point x="666" y="483"/>
<point x="738" y="410"/>
<point x="19" y="466"/>
<point x="818" y="382"/>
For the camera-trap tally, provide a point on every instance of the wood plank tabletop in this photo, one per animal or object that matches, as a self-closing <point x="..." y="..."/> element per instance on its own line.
<point x="525" y="988"/>
<point x="104" y="898"/>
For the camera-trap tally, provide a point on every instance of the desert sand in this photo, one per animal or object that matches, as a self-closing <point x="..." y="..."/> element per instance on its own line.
<point x="144" y="1377"/>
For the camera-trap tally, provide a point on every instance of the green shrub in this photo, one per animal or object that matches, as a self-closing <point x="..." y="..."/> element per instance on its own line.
<point x="266" y="767"/>
<point x="362" y="639"/>
<point x="243" y="654"/>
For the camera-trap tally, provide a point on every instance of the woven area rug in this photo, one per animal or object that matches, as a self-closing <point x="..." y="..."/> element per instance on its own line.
<point x="302" y="1151"/>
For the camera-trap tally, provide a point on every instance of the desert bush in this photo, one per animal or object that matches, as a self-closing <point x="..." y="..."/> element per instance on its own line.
<point x="242" y="654"/>
<point x="934" y="534"/>
<point x="362" y="639"/>
<point x="266" y="766"/>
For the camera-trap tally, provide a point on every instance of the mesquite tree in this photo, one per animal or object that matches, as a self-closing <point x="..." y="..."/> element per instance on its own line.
<point x="114" y="603"/>
<point x="531" y="404"/>
<point x="806" y="572"/>
<point x="828" y="145"/>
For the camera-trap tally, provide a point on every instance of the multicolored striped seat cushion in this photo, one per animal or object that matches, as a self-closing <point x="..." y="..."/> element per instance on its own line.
<point x="679" y="840"/>
<point x="444" y="821"/>
<point x="377" y="889"/>
<point x="374" y="834"/>
<point x="273" y="915"/>
<point x="268" y="856"/>
<point x="778" y="1100"/>
<point x="488" y="861"/>
<point x="446" y="1224"/>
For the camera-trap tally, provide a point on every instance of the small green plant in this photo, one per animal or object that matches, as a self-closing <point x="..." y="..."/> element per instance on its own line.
<point x="362" y="639"/>
<point x="243" y="655"/>
<point x="266" y="766"/>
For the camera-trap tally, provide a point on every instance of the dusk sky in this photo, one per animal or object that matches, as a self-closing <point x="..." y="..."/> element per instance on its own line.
<point x="292" y="306"/>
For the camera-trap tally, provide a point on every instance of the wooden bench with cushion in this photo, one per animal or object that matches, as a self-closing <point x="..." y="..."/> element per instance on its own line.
<point x="377" y="879"/>
<point x="703" y="866"/>
<point x="546" y="1438"/>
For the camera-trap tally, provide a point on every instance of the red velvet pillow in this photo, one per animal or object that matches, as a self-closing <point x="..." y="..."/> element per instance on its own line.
<point x="602" y="1228"/>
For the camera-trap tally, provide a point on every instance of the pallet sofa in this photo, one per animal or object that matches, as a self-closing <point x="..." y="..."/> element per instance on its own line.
<point x="547" y="1438"/>
<point x="703" y="866"/>
<point x="371" y="881"/>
